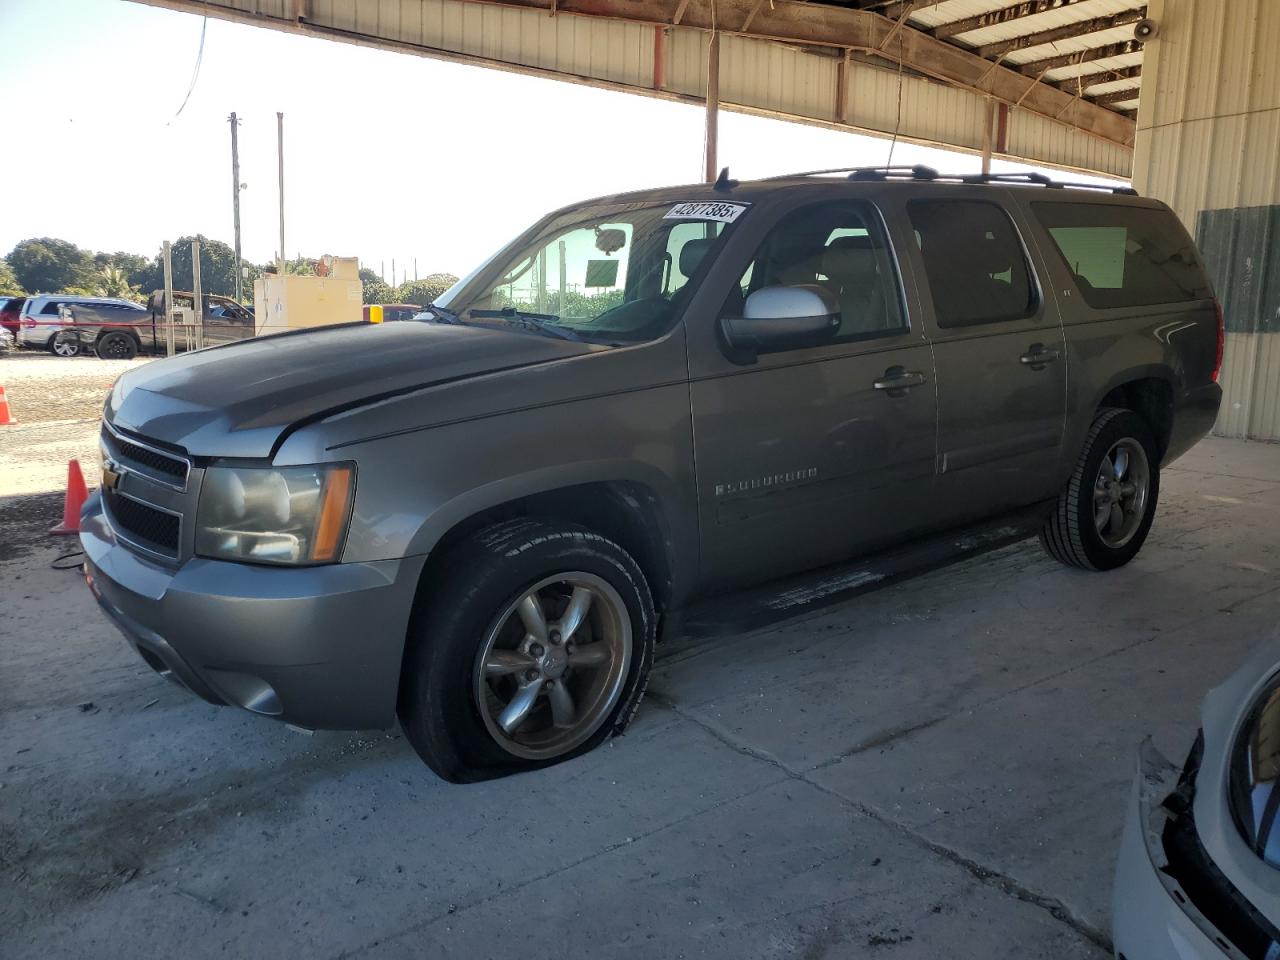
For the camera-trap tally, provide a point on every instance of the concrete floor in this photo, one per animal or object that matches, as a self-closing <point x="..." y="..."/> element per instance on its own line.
<point x="936" y="769"/>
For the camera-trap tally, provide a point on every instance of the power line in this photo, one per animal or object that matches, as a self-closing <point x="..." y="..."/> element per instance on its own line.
<point x="195" y="74"/>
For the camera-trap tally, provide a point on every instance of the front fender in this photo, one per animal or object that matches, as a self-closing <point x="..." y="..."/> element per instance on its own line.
<point x="412" y="488"/>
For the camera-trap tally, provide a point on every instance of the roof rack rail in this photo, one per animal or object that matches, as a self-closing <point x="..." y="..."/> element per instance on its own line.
<point x="916" y="172"/>
<point x="920" y="172"/>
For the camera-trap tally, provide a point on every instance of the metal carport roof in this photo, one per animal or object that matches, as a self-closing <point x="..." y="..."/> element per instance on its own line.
<point x="1049" y="81"/>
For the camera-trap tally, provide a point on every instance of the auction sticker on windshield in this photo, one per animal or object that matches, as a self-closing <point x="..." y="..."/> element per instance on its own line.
<point x="705" y="210"/>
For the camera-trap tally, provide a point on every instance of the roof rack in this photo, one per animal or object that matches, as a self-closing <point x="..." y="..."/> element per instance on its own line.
<point x="920" y="172"/>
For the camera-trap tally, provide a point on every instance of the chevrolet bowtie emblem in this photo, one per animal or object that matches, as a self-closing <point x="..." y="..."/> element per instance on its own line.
<point x="110" y="479"/>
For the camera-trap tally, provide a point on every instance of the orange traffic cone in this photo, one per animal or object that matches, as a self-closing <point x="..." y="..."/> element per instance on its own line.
<point x="76" y="496"/>
<point x="5" y="418"/>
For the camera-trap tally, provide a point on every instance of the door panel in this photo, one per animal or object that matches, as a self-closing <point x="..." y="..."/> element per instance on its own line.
<point x="810" y="455"/>
<point x="809" y="463"/>
<point x="1000" y="356"/>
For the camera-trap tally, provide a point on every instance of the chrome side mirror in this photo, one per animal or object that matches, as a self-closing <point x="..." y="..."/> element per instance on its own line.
<point x="783" y="318"/>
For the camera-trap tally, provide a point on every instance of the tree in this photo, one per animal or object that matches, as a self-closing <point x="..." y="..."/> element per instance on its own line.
<point x="48" y="265"/>
<point x="422" y="291"/>
<point x="114" y="282"/>
<point x="134" y="266"/>
<point x="9" y="286"/>
<point x="217" y="268"/>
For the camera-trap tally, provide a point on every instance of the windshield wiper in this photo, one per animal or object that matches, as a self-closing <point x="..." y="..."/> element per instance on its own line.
<point x="441" y="314"/>
<point x="547" y="323"/>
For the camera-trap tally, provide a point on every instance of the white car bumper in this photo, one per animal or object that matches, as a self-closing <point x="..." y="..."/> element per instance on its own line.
<point x="1154" y="918"/>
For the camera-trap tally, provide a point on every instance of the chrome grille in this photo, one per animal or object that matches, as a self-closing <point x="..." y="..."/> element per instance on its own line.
<point x="156" y="529"/>
<point x="169" y="468"/>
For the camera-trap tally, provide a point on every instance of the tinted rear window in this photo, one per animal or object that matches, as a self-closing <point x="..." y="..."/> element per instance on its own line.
<point x="1123" y="256"/>
<point x="974" y="261"/>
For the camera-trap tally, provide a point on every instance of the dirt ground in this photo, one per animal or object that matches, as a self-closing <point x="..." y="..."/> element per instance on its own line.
<point x="937" y="769"/>
<point x="56" y="403"/>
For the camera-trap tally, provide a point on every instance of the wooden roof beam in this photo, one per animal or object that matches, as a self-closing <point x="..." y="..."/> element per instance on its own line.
<point x="1028" y="8"/>
<point x="1072" y="84"/>
<point x="1036" y="67"/>
<point x="1078" y="29"/>
<point x="1118" y="96"/>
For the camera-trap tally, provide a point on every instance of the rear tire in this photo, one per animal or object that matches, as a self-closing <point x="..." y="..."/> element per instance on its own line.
<point x="533" y="646"/>
<point x="116" y="346"/>
<point x="63" y="344"/>
<point x="1104" y="513"/>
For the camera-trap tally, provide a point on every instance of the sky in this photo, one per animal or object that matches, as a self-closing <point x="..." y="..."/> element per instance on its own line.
<point x="388" y="156"/>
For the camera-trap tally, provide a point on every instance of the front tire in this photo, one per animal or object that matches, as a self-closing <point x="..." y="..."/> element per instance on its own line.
<point x="1104" y="513"/>
<point x="532" y="647"/>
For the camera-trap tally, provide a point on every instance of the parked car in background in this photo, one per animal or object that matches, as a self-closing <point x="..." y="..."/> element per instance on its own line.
<point x="120" y="330"/>
<point x="112" y="331"/>
<point x="46" y="324"/>
<point x="223" y="321"/>
<point x="482" y="523"/>
<point x="10" y="316"/>
<point x="395" y="311"/>
<point x="1199" y="871"/>
<point x="6" y="341"/>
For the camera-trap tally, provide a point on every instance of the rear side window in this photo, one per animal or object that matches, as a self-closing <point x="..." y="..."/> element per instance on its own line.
<point x="1122" y="256"/>
<point x="51" y="307"/>
<point x="974" y="262"/>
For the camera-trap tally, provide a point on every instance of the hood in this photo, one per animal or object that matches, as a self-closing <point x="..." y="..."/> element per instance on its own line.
<point x="240" y="400"/>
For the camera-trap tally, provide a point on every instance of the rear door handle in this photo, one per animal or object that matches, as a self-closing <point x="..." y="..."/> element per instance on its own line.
<point x="1039" y="355"/>
<point x="897" y="381"/>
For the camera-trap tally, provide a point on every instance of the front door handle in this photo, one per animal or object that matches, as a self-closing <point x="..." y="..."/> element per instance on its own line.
<point x="898" y="380"/>
<point x="1039" y="355"/>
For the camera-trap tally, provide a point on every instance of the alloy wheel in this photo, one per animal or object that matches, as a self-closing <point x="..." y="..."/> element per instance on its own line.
<point x="65" y="346"/>
<point x="552" y="668"/>
<point x="1121" y="491"/>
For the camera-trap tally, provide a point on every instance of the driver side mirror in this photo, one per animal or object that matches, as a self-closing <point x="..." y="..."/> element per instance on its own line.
<point x="782" y="318"/>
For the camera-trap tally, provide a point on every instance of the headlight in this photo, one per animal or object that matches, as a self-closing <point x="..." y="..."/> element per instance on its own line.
<point x="1255" y="776"/>
<point x="288" y="515"/>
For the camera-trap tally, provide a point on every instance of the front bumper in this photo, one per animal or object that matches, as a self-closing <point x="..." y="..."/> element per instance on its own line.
<point x="1148" y="923"/>
<point x="1156" y="909"/>
<point x="319" y="647"/>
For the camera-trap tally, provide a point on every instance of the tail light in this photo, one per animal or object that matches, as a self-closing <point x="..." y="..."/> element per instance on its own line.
<point x="29" y="322"/>
<point x="1222" y="340"/>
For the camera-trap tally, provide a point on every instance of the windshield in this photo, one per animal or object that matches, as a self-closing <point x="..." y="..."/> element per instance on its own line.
<point x="616" y="273"/>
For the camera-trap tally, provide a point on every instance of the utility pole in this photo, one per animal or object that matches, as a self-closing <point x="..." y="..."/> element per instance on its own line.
<point x="280" y="152"/>
<point x="415" y="269"/>
<point x="711" y="134"/>
<point x="235" y="201"/>
<point x="197" y="293"/>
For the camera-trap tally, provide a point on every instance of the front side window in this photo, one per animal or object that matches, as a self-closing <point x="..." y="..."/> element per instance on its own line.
<point x="840" y="247"/>
<point x="1124" y="256"/>
<point x="617" y="273"/>
<point x="974" y="262"/>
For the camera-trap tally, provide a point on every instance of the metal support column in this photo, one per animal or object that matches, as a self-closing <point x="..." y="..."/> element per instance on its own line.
<point x="713" y="105"/>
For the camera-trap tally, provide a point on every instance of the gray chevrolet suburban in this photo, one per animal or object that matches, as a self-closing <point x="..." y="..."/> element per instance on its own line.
<point x="481" y="521"/>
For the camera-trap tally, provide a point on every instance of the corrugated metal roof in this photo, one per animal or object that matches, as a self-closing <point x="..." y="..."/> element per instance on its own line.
<point x="1078" y="27"/>
<point x="788" y="65"/>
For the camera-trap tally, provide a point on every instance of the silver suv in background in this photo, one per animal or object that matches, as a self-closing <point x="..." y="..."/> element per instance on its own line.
<point x="483" y="521"/>
<point x="45" y="322"/>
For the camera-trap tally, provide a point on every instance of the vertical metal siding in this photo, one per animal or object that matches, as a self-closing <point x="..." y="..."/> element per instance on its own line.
<point x="1208" y="138"/>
